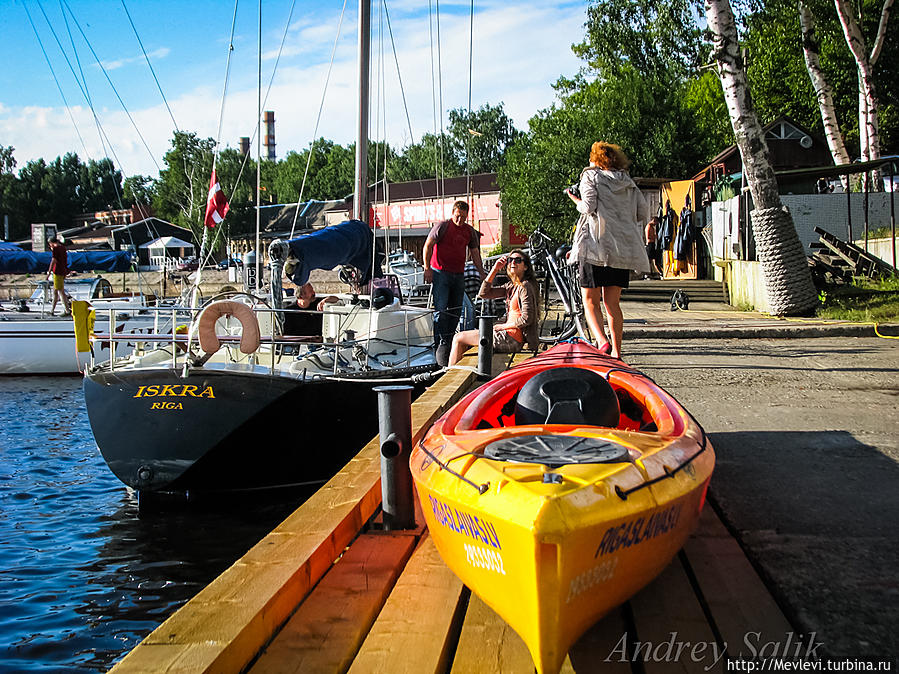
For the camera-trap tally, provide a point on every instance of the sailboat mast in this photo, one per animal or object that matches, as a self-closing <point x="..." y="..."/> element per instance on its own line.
<point x="360" y="190"/>
<point x="257" y="283"/>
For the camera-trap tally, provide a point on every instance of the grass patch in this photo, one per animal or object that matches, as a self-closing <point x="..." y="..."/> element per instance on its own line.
<point x="865" y="301"/>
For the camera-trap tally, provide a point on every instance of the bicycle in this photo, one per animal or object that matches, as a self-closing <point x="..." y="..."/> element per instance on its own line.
<point x="547" y="258"/>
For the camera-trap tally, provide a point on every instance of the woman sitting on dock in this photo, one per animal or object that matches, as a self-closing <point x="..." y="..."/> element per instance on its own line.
<point x="520" y="327"/>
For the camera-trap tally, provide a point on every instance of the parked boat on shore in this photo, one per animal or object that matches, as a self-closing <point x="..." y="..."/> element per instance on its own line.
<point x="561" y="488"/>
<point x="33" y="341"/>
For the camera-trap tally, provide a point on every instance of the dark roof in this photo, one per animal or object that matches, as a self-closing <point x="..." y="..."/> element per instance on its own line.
<point x="281" y="217"/>
<point x="725" y="154"/>
<point x="147" y="221"/>
<point x="841" y="169"/>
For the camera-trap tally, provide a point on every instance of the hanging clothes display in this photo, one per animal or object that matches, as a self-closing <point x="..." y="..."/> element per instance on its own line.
<point x="685" y="234"/>
<point x="666" y="229"/>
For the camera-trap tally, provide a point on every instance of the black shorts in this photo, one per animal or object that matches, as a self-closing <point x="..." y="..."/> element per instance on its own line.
<point x="654" y="253"/>
<point x="595" y="276"/>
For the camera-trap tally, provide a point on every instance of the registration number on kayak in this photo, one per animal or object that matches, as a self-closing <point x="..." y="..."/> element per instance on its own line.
<point x="484" y="558"/>
<point x="595" y="575"/>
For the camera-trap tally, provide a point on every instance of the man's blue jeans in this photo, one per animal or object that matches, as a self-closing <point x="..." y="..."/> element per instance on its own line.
<point x="448" y="290"/>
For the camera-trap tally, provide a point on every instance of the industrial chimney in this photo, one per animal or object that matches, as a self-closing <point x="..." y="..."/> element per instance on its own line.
<point x="244" y="145"/>
<point x="269" y="142"/>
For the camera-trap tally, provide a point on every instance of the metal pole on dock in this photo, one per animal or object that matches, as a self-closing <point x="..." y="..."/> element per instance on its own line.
<point x="485" y="347"/>
<point x="395" y="430"/>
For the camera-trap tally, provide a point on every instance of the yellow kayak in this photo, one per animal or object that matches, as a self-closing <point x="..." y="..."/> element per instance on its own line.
<point x="559" y="489"/>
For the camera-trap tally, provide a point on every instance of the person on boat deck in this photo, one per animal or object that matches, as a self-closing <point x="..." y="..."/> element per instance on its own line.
<point x="608" y="240"/>
<point x="520" y="326"/>
<point x="444" y="259"/>
<point x="59" y="269"/>
<point x="307" y="299"/>
<point x="307" y="324"/>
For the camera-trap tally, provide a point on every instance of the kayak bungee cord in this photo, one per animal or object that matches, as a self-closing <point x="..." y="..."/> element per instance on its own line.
<point x="624" y="493"/>
<point x="482" y="488"/>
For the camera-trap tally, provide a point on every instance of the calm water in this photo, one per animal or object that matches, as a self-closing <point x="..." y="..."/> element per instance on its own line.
<point x="83" y="576"/>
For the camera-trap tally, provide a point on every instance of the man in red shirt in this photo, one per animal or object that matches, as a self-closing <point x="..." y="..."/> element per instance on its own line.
<point x="59" y="269"/>
<point x="444" y="259"/>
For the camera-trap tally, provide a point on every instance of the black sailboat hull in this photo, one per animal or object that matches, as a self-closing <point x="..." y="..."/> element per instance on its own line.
<point x="216" y="431"/>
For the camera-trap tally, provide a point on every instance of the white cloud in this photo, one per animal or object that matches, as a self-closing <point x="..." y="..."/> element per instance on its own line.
<point x="518" y="52"/>
<point x="154" y="55"/>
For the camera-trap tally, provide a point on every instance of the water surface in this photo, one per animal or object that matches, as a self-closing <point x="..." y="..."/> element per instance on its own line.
<point x="83" y="575"/>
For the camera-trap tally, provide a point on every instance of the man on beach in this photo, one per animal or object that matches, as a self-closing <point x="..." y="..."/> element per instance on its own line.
<point x="444" y="260"/>
<point x="59" y="269"/>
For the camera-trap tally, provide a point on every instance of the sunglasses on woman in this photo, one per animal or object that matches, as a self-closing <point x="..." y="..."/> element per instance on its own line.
<point x="516" y="260"/>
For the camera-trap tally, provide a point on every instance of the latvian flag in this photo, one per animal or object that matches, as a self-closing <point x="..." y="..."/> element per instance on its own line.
<point x="216" y="204"/>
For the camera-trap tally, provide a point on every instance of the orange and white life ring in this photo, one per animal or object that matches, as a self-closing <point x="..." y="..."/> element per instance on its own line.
<point x="249" y="335"/>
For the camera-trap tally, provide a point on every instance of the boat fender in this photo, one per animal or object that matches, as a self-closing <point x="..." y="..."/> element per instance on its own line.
<point x="249" y="334"/>
<point x="83" y="317"/>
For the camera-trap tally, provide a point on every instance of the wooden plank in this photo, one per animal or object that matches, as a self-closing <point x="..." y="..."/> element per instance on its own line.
<point x="228" y="622"/>
<point x="329" y="626"/>
<point x="668" y="611"/>
<point x="600" y="647"/>
<point x="488" y="644"/>
<point x="415" y="630"/>
<point x="736" y="597"/>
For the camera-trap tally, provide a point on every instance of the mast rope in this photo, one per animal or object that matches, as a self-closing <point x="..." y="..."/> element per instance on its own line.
<point x="149" y="65"/>
<point x="56" y="80"/>
<point x="399" y="78"/>
<point x="109" y="80"/>
<point x="468" y="138"/>
<point x="318" y="120"/>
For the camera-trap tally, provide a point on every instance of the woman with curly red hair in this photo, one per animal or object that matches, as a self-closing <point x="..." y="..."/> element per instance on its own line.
<point x="608" y="240"/>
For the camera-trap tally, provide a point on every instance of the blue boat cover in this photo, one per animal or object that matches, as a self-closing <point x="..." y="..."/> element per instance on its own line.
<point x="349" y="243"/>
<point x="14" y="260"/>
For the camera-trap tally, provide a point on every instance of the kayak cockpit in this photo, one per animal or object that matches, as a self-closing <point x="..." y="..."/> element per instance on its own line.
<point x="568" y="396"/>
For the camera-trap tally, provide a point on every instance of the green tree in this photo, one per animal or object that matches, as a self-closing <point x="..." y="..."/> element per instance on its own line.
<point x="183" y="185"/>
<point x="9" y="193"/>
<point x="7" y="160"/>
<point x="479" y="140"/>
<point x="641" y="88"/>
<point x="659" y="39"/>
<point x="138" y="190"/>
<point x="330" y="175"/>
<point x="99" y="186"/>
<point x="780" y="83"/>
<point x="422" y="160"/>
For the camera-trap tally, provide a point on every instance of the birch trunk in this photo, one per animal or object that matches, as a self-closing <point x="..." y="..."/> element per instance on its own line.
<point x="788" y="282"/>
<point x="868" y="124"/>
<point x="823" y="90"/>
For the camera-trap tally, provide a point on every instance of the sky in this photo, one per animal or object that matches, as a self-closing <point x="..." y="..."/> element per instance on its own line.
<point x="519" y="50"/>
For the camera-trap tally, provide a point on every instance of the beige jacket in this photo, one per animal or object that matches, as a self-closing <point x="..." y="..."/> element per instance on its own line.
<point x="609" y="231"/>
<point x="527" y="297"/>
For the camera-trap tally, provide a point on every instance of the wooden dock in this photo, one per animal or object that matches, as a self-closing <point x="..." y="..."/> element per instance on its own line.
<point x="328" y="591"/>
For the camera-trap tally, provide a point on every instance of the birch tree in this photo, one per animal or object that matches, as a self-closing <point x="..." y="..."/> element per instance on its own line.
<point x="788" y="282"/>
<point x="823" y="90"/>
<point x="868" y="124"/>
